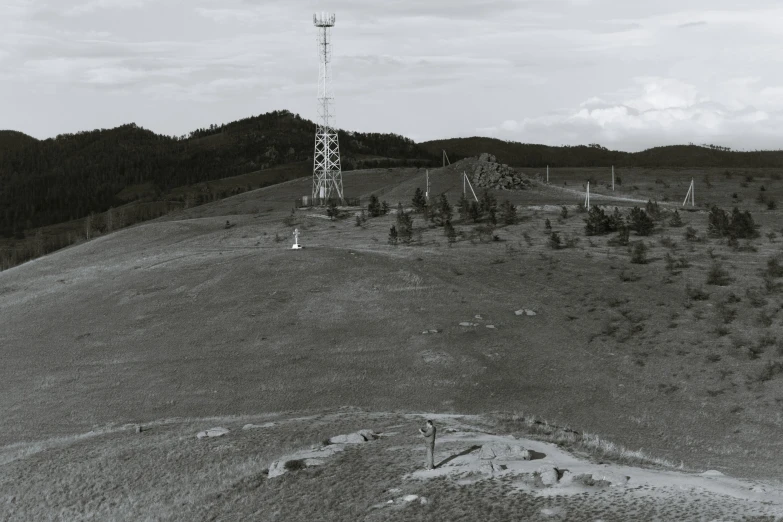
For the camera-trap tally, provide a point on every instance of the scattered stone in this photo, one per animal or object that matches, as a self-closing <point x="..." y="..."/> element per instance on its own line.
<point x="519" y="312"/>
<point x="422" y="501"/>
<point x="478" y="317"/>
<point x="394" y="490"/>
<point x="212" y="432"/>
<point x="530" y="313"/>
<point x="611" y="478"/>
<point x="390" y="502"/>
<point x="465" y="323"/>
<point x="548" y="475"/>
<point x="491" y="326"/>
<point x="410" y="498"/>
<point x="567" y="477"/>
<point x="139" y="429"/>
<point x="712" y="473"/>
<point x="434" y="331"/>
<point x="256" y="426"/>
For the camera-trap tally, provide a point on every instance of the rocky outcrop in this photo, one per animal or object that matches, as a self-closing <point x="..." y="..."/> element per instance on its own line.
<point x="486" y="172"/>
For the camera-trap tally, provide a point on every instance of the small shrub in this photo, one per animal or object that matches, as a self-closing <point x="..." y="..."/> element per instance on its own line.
<point x="771" y="205"/>
<point x="774" y="268"/>
<point x="692" y="235"/>
<point x="547" y="225"/>
<point x="639" y="253"/>
<point x="564" y="212"/>
<point x="696" y="294"/>
<point x="718" y="276"/>
<point x="555" y="242"/>
<point x="629" y="277"/>
<point x="668" y="242"/>
<point x="770" y="371"/>
<point x="295" y="465"/>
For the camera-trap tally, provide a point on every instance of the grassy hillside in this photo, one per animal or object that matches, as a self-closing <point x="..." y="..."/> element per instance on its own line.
<point x="180" y="317"/>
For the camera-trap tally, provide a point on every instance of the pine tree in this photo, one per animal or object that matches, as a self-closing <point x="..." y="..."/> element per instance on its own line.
<point x="393" y="235"/>
<point x="444" y="209"/>
<point x="640" y="222"/>
<point x="676" y="220"/>
<point x="374" y="207"/>
<point x="474" y="212"/>
<point x="596" y="222"/>
<point x="451" y="234"/>
<point x="509" y="212"/>
<point x="419" y="201"/>
<point x="463" y="207"/>
<point x="385" y="208"/>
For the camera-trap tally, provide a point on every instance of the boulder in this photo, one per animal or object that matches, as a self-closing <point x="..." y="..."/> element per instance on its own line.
<point x="368" y="434"/>
<point x="465" y="323"/>
<point x="712" y="473"/>
<point x="501" y="451"/>
<point x="350" y="438"/>
<point x="486" y="452"/>
<point x="567" y="477"/>
<point x="212" y="432"/>
<point x="519" y="312"/>
<point x="276" y="469"/>
<point x="491" y="326"/>
<point x="548" y="475"/>
<point x="530" y="313"/>
<point x="410" y="498"/>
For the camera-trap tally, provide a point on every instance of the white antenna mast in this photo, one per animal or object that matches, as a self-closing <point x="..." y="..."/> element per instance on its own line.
<point x="327" y="175"/>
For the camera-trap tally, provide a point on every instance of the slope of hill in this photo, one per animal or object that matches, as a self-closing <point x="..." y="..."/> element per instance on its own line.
<point x="532" y="155"/>
<point x="182" y="317"/>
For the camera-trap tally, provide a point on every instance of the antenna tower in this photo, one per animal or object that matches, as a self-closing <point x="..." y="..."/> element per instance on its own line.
<point x="327" y="175"/>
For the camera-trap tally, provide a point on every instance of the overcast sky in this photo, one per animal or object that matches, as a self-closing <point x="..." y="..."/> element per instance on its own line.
<point x="628" y="75"/>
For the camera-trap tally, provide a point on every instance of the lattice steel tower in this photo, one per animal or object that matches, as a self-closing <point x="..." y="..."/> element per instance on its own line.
<point x="327" y="176"/>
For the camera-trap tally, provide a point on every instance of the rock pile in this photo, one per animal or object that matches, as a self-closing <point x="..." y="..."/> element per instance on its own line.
<point x="486" y="172"/>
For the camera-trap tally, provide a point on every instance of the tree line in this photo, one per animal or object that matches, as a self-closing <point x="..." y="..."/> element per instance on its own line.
<point x="43" y="182"/>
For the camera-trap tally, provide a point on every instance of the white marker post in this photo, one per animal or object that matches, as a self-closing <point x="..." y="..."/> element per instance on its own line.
<point x="587" y="196"/>
<point x="465" y="178"/>
<point x="612" y="177"/>
<point x="296" y="246"/>
<point x="690" y="194"/>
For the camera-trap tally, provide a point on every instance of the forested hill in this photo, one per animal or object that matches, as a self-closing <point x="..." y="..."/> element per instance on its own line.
<point x="12" y="140"/>
<point x="531" y="155"/>
<point x="67" y="177"/>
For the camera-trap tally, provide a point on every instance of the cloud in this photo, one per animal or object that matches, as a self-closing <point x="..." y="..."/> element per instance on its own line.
<point x="663" y="111"/>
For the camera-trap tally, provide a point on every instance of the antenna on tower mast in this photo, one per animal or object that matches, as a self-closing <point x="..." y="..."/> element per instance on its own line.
<point x="327" y="174"/>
